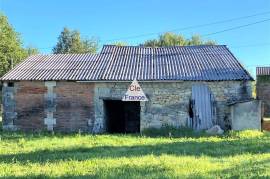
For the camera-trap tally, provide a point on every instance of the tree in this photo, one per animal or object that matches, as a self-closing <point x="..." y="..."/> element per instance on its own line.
<point x="70" y="41"/>
<point x="120" y="43"/>
<point x="31" y="51"/>
<point x="172" y="39"/>
<point x="11" y="50"/>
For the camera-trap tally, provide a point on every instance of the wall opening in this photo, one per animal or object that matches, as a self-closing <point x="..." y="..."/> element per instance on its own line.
<point x="10" y="84"/>
<point x="122" y="116"/>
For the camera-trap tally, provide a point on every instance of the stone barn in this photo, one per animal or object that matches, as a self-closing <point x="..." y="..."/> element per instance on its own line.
<point x="185" y="86"/>
<point x="263" y="88"/>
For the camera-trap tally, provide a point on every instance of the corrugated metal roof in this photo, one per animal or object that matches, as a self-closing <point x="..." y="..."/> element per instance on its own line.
<point x="121" y="63"/>
<point x="262" y="71"/>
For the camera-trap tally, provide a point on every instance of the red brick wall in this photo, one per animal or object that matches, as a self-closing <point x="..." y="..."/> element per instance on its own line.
<point x="29" y="100"/>
<point x="74" y="106"/>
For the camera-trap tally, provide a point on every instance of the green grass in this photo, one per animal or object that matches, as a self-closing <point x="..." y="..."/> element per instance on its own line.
<point x="177" y="155"/>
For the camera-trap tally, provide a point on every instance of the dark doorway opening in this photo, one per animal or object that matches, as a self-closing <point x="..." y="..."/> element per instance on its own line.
<point x="122" y="116"/>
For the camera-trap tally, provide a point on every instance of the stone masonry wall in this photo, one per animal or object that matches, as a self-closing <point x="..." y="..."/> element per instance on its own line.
<point x="263" y="93"/>
<point x="77" y="106"/>
<point x="169" y="101"/>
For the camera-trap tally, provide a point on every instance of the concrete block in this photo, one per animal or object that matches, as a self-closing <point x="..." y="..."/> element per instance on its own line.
<point x="246" y="115"/>
<point x="50" y="83"/>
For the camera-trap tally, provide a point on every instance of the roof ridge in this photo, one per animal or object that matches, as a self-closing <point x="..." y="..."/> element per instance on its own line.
<point x="141" y="46"/>
<point x="52" y="54"/>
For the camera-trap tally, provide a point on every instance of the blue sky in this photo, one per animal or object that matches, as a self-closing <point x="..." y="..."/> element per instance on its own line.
<point x="40" y="22"/>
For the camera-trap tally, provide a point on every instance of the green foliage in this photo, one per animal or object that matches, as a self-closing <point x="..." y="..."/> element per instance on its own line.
<point x="11" y="51"/>
<point x="70" y="41"/>
<point x="120" y="43"/>
<point x="253" y="88"/>
<point x="234" y="155"/>
<point x="172" y="39"/>
<point x="31" y="51"/>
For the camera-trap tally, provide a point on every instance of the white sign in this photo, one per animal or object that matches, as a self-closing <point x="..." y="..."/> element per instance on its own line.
<point x="134" y="93"/>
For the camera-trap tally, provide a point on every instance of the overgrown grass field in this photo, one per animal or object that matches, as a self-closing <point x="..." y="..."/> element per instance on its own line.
<point x="168" y="153"/>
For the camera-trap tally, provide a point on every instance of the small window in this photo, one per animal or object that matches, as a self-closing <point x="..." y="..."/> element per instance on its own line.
<point x="10" y="84"/>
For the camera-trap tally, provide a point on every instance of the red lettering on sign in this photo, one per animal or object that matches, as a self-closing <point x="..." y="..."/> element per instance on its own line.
<point x="134" y="88"/>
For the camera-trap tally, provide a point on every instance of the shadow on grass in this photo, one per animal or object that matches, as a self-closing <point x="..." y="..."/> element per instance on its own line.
<point x="125" y="171"/>
<point x="166" y="131"/>
<point x="218" y="149"/>
<point x="243" y="170"/>
<point x="172" y="132"/>
<point x="187" y="148"/>
<point x="249" y="169"/>
<point x="15" y="135"/>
